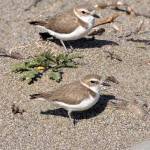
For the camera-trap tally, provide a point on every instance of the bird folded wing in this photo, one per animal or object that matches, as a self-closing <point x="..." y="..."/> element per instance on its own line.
<point x="62" y="23"/>
<point x="71" y="94"/>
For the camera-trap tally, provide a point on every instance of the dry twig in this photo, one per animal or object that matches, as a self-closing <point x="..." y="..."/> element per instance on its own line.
<point x="139" y="27"/>
<point x="106" y="20"/>
<point x="116" y="28"/>
<point x="14" y="55"/>
<point x="113" y="56"/>
<point x="116" y="5"/>
<point x="34" y="4"/>
<point x="146" y="42"/>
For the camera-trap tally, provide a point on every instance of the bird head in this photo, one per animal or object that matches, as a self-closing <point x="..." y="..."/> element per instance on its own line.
<point x="94" y="82"/>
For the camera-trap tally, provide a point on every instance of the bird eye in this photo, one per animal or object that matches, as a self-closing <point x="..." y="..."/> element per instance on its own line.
<point x="94" y="82"/>
<point x="83" y="12"/>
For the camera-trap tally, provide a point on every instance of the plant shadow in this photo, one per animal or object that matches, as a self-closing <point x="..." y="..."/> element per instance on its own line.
<point x="81" y="43"/>
<point x="90" y="113"/>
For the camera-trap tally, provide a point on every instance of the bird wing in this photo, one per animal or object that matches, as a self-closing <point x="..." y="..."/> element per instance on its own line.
<point x="62" y="23"/>
<point x="72" y="93"/>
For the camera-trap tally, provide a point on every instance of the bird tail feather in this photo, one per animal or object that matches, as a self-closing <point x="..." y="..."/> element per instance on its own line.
<point x="35" y="96"/>
<point x="40" y="95"/>
<point x="41" y="23"/>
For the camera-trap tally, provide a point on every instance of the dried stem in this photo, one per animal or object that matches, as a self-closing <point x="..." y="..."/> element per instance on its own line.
<point x="14" y="55"/>
<point x="106" y="20"/>
<point x="34" y="4"/>
<point x="113" y="56"/>
<point x="116" y="5"/>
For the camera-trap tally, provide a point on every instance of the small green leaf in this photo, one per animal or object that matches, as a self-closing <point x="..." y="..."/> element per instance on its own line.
<point x="71" y="64"/>
<point x="30" y="76"/>
<point x="19" y="68"/>
<point x="57" y="76"/>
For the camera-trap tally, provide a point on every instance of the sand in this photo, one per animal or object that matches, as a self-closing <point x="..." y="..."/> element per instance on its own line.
<point x="110" y="129"/>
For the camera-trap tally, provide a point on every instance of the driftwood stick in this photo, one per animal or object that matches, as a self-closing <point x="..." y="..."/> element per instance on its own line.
<point x="116" y="5"/>
<point x="110" y="4"/>
<point x="106" y="20"/>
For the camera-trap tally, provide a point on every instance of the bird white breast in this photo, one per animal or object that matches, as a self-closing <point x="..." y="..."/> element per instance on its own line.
<point x="88" y="19"/>
<point x="78" y="33"/>
<point x="84" y="105"/>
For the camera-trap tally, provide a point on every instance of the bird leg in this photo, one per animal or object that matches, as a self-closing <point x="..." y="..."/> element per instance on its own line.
<point x="70" y="46"/>
<point x="70" y="118"/>
<point x="61" y="41"/>
<point x="69" y="115"/>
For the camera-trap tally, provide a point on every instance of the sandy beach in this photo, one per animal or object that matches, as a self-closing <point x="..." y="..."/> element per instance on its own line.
<point x="101" y="127"/>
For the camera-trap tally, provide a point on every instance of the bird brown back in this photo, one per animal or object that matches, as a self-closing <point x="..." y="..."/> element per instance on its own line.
<point x="61" y="23"/>
<point x="72" y="93"/>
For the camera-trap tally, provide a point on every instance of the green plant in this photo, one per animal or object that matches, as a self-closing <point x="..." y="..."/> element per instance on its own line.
<point x="34" y="68"/>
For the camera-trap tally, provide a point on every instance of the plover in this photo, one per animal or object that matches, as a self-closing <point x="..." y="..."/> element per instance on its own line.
<point x="69" y="26"/>
<point x="77" y="96"/>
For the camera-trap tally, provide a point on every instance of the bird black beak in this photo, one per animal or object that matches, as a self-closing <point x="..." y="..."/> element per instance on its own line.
<point x="105" y="83"/>
<point x="93" y="13"/>
<point x="96" y="16"/>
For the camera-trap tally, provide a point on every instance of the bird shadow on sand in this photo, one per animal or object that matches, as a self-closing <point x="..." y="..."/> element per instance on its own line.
<point x="90" y="113"/>
<point x="81" y="43"/>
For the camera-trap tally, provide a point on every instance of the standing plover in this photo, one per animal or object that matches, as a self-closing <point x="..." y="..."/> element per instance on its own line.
<point x="76" y="96"/>
<point x="68" y="26"/>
